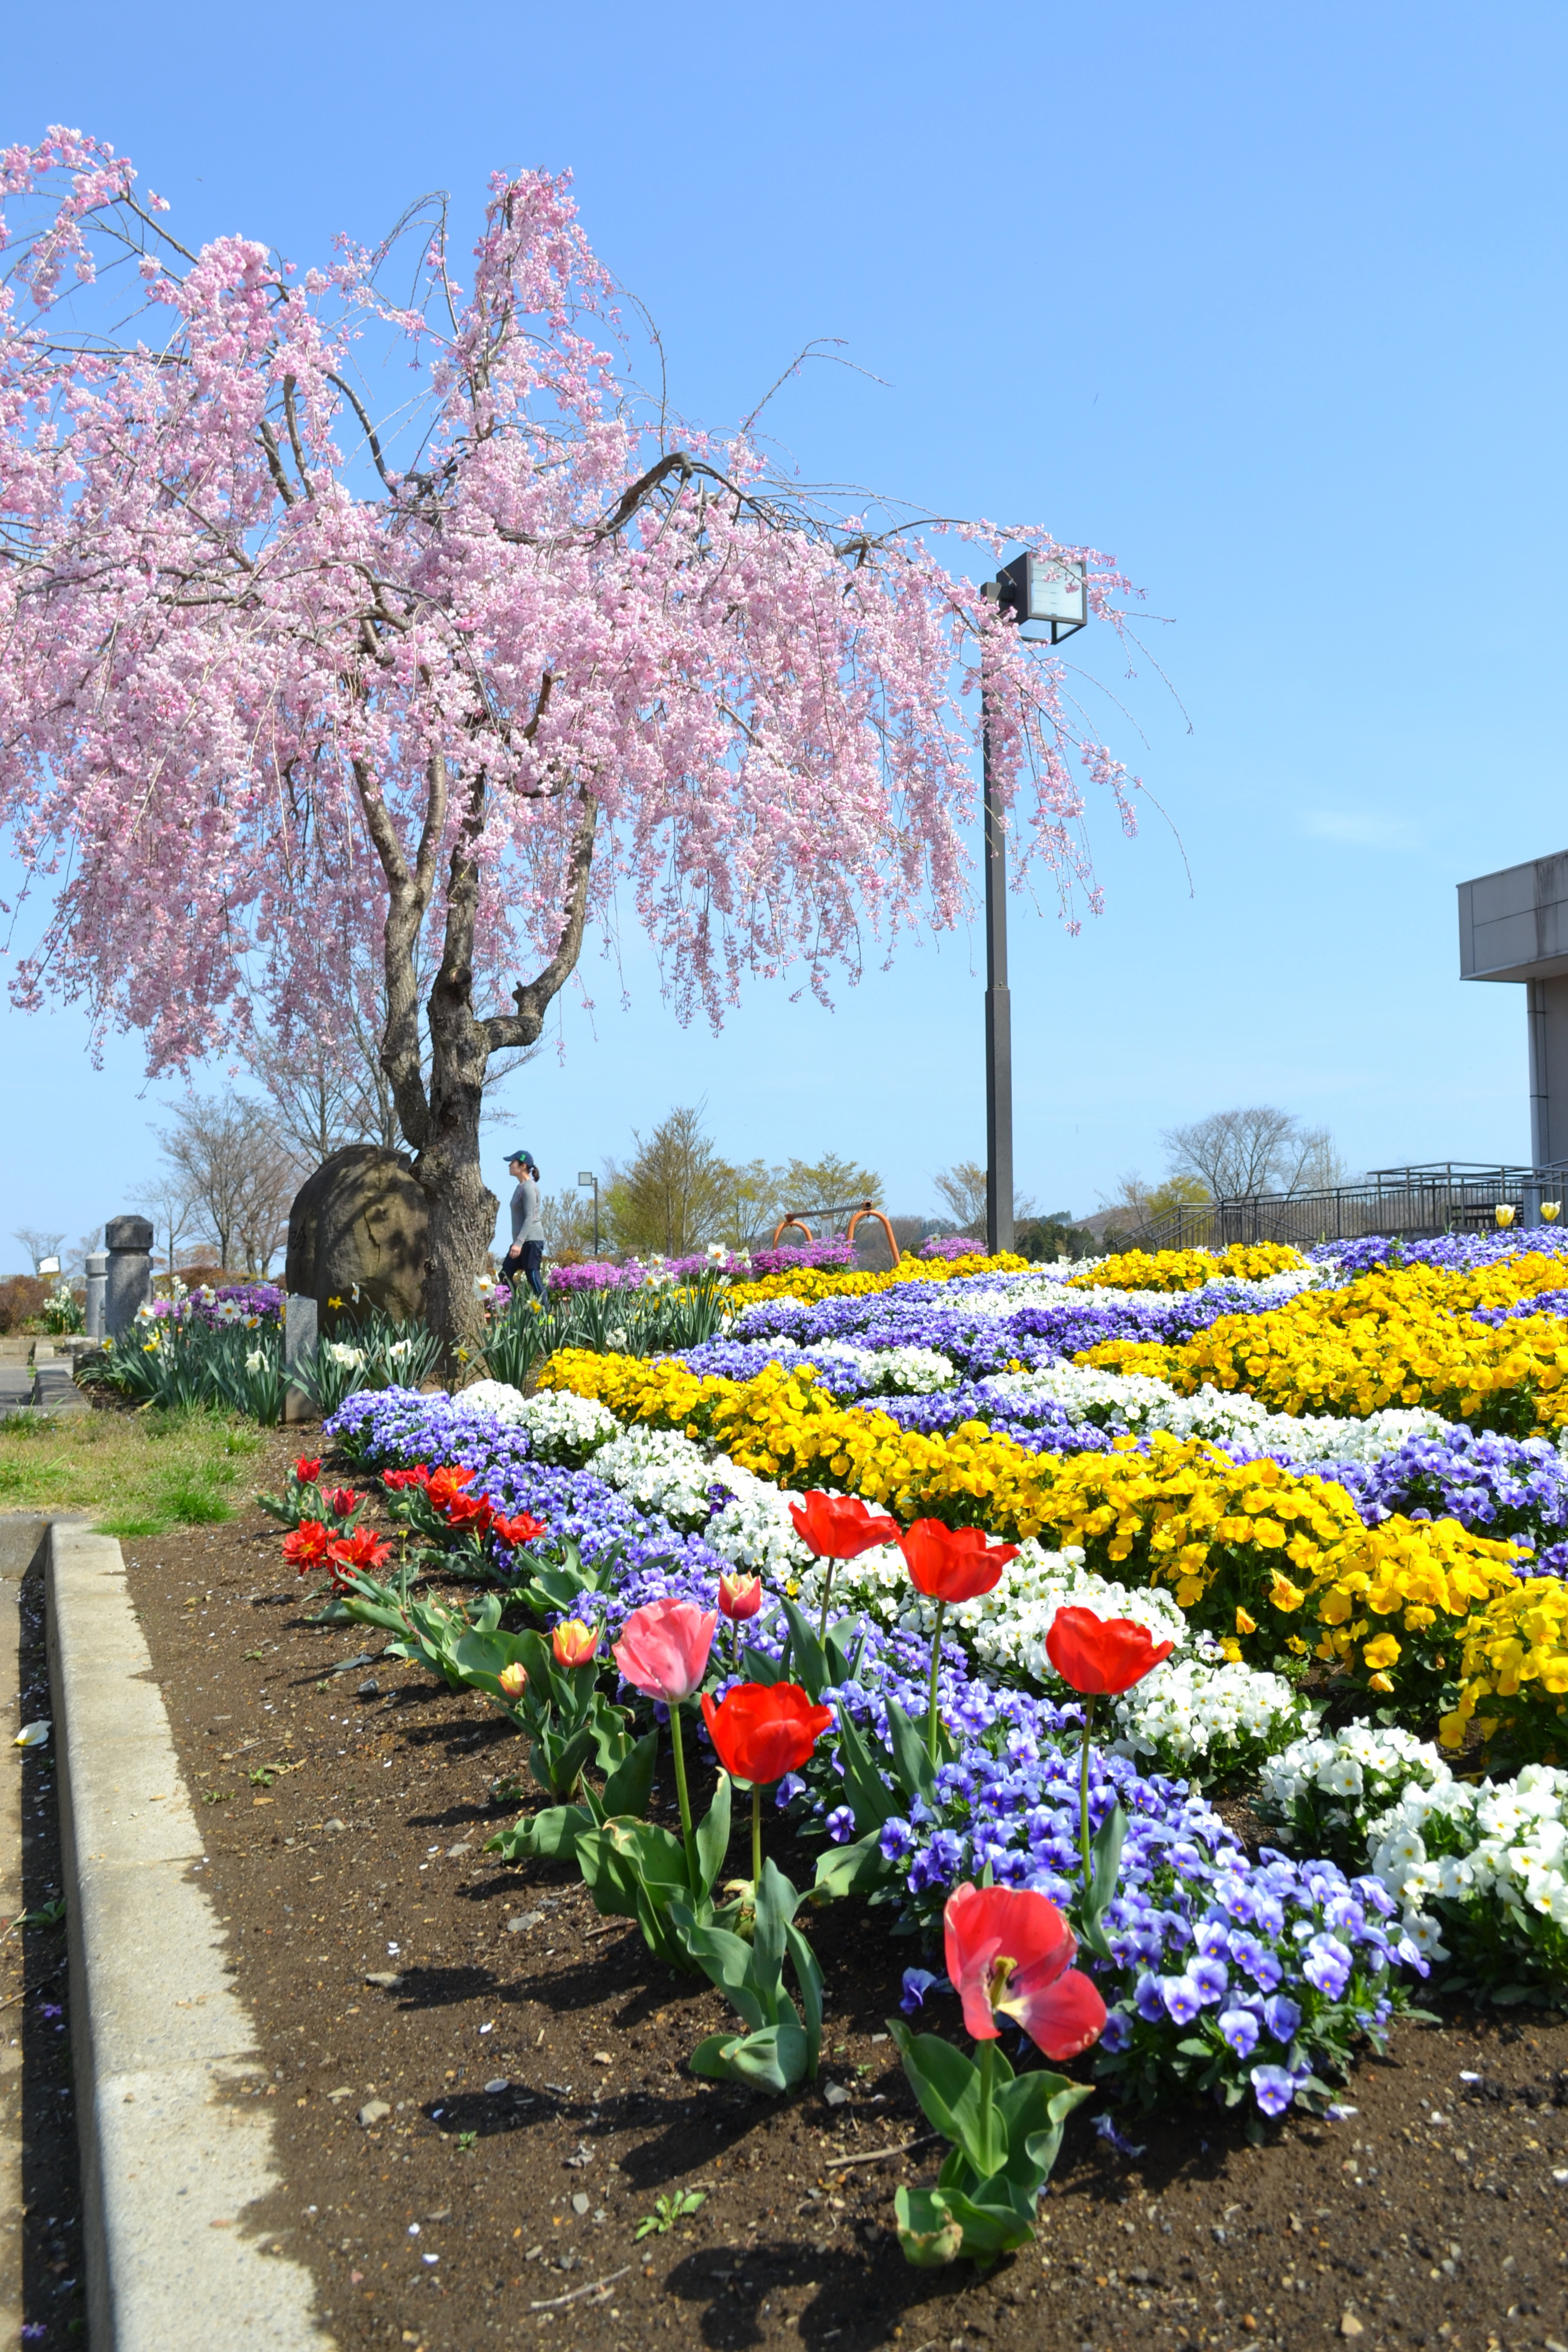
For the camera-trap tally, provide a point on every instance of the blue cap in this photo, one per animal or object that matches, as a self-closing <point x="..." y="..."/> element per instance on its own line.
<point x="519" y="1154"/>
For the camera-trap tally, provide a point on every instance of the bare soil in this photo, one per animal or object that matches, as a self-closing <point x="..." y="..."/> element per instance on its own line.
<point x="529" y="2062"/>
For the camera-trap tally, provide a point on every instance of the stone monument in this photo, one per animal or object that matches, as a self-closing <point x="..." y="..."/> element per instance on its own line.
<point x="128" y="1282"/>
<point x="97" y="1283"/>
<point x="358" y="1234"/>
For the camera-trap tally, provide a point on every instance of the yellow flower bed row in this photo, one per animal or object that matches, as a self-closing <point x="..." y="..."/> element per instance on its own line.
<point x="825" y="1282"/>
<point x="1399" y="1336"/>
<point x="1264" y="1558"/>
<point x="1187" y="1269"/>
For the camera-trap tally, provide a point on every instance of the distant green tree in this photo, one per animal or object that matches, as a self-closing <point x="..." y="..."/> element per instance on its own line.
<point x="673" y="1195"/>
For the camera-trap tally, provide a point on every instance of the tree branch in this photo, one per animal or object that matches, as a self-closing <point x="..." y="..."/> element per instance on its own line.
<point x="533" y="1001"/>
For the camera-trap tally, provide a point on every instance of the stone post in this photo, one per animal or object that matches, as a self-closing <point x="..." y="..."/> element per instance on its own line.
<point x="301" y="1325"/>
<point x="128" y="1281"/>
<point x="97" y="1283"/>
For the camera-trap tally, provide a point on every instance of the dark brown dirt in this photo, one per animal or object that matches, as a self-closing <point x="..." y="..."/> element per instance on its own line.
<point x="1428" y="2216"/>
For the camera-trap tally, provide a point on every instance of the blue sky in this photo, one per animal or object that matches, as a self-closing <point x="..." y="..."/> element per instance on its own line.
<point x="1267" y="302"/>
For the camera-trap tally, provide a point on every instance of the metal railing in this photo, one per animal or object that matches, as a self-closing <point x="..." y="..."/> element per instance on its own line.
<point x="1418" y="1202"/>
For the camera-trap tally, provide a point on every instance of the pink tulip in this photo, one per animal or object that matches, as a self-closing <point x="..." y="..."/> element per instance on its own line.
<point x="664" y="1648"/>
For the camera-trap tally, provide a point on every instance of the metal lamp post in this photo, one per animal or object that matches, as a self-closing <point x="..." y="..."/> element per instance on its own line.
<point x="1054" y="592"/>
<point x="586" y="1176"/>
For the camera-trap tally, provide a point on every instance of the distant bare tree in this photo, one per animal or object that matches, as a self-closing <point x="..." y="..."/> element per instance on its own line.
<point x="240" y="1172"/>
<point x="38" y="1245"/>
<point x="963" y="1188"/>
<point x="76" y="1264"/>
<point x="1237" y="1153"/>
<point x="168" y="1200"/>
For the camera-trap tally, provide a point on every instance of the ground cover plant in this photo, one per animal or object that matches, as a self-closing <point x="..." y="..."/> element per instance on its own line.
<point x="133" y="1474"/>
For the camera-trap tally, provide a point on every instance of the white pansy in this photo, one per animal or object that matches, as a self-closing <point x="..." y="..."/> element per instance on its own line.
<point x="1138" y="1402"/>
<point x="886" y="1371"/>
<point x="1190" y="1717"/>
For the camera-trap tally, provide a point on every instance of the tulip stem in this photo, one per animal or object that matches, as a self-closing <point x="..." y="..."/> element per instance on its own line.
<point x="683" y="1795"/>
<point x="935" y="1664"/>
<point x="987" y="2069"/>
<point x="756" y="1839"/>
<point x="827" y="1595"/>
<point x="1083" y="1793"/>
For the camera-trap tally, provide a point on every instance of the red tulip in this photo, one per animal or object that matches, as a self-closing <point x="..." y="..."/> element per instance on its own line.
<point x="763" y="1731"/>
<point x="469" y="1512"/>
<point x="523" y="1529"/>
<point x="342" y="1502"/>
<point x="1102" y="1656"/>
<point x="443" y="1486"/>
<point x="397" y="1479"/>
<point x="664" y="1648"/>
<point x="740" y="1596"/>
<point x="308" y="1472"/>
<point x="1009" y="1953"/>
<point x="307" y="1547"/>
<point x="952" y="1563"/>
<point x="362" y="1549"/>
<point x="574" y="1643"/>
<point x="839" y="1526"/>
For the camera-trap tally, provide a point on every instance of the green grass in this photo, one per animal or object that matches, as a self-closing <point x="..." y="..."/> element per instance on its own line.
<point x="133" y="1474"/>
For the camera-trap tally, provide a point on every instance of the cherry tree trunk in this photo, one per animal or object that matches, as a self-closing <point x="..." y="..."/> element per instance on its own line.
<point x="462" y="1207"/>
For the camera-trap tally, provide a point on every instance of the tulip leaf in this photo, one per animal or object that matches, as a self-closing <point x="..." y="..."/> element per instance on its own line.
<point x="557" y="1764"/>
<point x="991" y="2225"/>
<point x="872" y="1802"/>
<point x="631" y="1784"/>
<point x="728" y="1961"/>
<point x="775" y="1902"/>
<point x="915" y="1772"/>
<point x="855" y="1869"/>
<point x="806" y="1654"/>
<point x="1106" y="1859"/>
<point x="548" y="1836"/>
<point x="757" y="1667"/>
<point x="809" y="1977"/>
<point x="774" y="2059"/>
<point x="635" y="1870"/>
<point x="948" y="2085"/>
<point x="929" y="2233"/>
<point x="713" y="1835"/>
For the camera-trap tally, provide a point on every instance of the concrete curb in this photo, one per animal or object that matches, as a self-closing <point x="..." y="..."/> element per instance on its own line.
<point x="171" y="2156"/>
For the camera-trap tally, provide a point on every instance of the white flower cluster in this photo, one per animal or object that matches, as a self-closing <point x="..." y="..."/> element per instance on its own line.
<point x="660" y="1470"/>
<point x="887" y="1371"/>
<point x="1464" y="1845"/>
<point x="563" y="1429"/>
<point x="1204" y="1721"/>
<point x="1488" y="1860"/>
<point x="1006" y="1628"/>
<point x="1331" y="1789"/>
<point x="1223" y="1416"/>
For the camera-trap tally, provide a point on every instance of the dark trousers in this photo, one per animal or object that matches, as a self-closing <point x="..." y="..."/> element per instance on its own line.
<point x="531" y="1257"/>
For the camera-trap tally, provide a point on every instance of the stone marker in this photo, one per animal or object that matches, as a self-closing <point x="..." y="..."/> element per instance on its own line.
<point x="301" y="1324"/>
<point x="357" y="1231"/>
<point x="97" y="1283"/>
<point x="129" y="1278"/>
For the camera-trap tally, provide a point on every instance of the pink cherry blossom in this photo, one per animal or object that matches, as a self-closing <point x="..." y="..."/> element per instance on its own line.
<point x="337" y="695"/>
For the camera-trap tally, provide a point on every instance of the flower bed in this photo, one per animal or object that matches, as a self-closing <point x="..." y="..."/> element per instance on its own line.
<point x="1287" y="1559"/>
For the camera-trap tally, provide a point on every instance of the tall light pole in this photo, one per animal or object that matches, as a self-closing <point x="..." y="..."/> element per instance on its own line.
<point x="1055" y="592"/>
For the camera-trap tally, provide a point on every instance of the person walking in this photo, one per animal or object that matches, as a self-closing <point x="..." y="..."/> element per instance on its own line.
<point x="527" y="1253"/>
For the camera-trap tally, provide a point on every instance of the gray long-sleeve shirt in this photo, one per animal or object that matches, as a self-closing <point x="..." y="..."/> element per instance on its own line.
<point x="528" y="1225"/>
